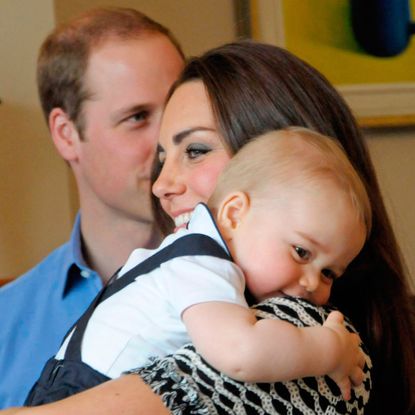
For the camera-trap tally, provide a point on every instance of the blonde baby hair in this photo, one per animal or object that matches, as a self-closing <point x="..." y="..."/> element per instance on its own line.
<point x="294" y="156"/>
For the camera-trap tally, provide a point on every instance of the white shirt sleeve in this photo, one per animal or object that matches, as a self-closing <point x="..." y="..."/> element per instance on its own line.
<point x="197" y="279"/>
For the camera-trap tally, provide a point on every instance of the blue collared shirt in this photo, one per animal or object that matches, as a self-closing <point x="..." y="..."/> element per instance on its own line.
<point x="37" y="310"/>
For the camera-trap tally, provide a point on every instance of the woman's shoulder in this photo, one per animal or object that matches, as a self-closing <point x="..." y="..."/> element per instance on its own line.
<point x="296" y="310"/>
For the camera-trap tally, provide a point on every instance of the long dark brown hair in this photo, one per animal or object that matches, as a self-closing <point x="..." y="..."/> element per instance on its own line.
<point x="254" y="88"/>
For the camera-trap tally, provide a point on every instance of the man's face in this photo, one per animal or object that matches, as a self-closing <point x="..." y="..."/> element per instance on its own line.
<point x="128" y="82"/>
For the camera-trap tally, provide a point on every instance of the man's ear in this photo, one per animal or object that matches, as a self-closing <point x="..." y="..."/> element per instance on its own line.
<point x="231" y="212"/>
<point x="64" y="134"/>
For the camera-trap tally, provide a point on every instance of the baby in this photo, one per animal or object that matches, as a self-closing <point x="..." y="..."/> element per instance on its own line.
<point x="288" y="215"/>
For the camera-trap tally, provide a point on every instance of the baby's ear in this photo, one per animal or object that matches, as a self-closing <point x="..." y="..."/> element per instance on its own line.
<point x="231" y="212"/>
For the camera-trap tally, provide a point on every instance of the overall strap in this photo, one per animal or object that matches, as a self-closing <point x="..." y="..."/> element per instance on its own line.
<point x="193" y="244"/>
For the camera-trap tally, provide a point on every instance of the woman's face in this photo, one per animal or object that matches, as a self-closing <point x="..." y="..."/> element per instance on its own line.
<point x="191" y="151"/>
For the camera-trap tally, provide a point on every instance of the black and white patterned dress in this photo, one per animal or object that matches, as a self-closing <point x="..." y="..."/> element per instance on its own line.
<point x="188" y="385"/>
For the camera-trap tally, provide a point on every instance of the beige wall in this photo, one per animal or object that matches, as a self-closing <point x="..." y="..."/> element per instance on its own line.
<point x="35" y="203"/>
<point x="198" y="24"/>
<point x="393" y="152"/>
<point x="34" y="207"/>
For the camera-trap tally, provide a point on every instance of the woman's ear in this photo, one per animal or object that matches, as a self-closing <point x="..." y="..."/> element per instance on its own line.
<point x="231" y="212"/>
<point x="64" y="134"/>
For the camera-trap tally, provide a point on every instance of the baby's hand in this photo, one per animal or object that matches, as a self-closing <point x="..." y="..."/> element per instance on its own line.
<point x="351" y="359"/>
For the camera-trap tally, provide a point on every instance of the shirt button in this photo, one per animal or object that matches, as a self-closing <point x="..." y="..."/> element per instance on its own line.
<point x="85" y="273"/>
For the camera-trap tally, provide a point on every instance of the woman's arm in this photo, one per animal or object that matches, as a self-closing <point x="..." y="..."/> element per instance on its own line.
<point x="127" y="395"/>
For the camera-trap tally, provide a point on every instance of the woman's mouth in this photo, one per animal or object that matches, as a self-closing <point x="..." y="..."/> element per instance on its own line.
<point x="182" y="220"/>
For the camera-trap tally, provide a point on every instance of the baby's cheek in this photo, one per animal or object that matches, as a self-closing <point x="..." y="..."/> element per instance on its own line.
<point x="260" y="282"/>
<point x="323" y="296"/>
<point x="280" y="274"/>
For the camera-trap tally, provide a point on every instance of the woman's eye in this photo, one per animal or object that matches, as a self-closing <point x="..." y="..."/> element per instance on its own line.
<point x="302" y="253"/>
<point x="195" y="151"/>
<point x="329" y="274"/>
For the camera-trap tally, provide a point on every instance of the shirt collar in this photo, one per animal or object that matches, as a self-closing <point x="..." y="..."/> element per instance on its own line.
<point x="76" y="244"/>
<point x="75" y="264"/>
<point x="202" y="221"/>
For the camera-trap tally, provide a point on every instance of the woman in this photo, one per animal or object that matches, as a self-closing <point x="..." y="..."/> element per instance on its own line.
<point x="252" y="88"/>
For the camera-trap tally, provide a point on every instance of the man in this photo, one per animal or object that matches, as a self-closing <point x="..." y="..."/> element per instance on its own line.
<point x="102" y="80"/>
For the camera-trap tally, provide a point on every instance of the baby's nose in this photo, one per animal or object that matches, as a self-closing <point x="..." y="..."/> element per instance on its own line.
<point x="310" y="281"/>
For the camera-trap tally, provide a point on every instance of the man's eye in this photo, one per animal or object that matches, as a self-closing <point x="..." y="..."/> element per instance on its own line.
<point x="139" y="116"/>
<point x="195" y="151"/>
<point x="302" y="253"/>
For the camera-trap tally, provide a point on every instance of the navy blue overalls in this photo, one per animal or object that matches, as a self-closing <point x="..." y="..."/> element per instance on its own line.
<point x="63" y="378"/>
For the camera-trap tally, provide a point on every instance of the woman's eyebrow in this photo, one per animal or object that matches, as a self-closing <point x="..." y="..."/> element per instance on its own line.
<point x="179" y="137"/>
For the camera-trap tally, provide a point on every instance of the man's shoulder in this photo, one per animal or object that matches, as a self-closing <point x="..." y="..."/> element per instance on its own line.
<point x="47" y="270"/>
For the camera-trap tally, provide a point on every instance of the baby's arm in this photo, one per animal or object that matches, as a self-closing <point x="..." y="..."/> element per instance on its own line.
<point x="232" y="340"/>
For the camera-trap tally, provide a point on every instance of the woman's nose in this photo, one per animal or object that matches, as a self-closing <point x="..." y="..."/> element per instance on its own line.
<point x="168" y="183"/>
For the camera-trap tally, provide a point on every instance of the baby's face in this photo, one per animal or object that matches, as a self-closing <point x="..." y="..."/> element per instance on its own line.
<point x="298" y="244"/>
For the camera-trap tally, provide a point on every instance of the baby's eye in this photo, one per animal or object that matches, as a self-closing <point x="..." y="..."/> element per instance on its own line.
<point x="329" y="274"/>
<point x="302" y="253"/>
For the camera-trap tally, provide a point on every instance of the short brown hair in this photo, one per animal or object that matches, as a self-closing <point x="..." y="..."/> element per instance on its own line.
<point x="64" y="55"/>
